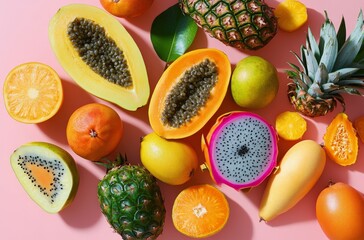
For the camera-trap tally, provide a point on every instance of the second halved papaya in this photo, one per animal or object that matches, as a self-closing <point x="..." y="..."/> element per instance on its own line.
<point x="189" y="93"/>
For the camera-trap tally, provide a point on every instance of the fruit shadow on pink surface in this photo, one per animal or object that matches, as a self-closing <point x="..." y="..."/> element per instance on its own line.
<point x="84" y="210"/>
<point x="74" y="97"/>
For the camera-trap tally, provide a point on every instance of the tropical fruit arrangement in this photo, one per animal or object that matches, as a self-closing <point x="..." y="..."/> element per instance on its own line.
<point x="240" y="147"/>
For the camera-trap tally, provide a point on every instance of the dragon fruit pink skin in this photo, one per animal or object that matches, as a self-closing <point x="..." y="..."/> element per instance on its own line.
<point x="240" y="150"/>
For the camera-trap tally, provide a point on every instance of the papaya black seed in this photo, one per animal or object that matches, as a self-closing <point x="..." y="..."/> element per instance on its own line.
<point x="55" y="167"/>
<point x="99" y="51"/>
<point x="190" y="94"/>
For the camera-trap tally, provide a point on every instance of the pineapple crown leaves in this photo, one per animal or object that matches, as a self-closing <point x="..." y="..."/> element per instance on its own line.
<point x="110" y="164"/>
<point x="334" y="64"/>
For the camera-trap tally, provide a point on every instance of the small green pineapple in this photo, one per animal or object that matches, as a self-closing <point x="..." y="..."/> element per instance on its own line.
<point x="243" y="24"/>
<point x="131" y="201"/>
<point x="331" y="66"/>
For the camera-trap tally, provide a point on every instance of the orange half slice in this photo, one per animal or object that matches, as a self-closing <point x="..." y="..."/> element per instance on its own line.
<point x="200" y="211"/>
<point x="32" y="92"/>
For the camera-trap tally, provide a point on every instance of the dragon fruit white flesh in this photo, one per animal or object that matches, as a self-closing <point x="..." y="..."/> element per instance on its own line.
<point x="240" y="149"/>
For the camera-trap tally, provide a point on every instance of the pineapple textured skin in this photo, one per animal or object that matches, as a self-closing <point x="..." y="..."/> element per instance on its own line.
<point x="243" y="24"/>
<point x="132" y="203"/>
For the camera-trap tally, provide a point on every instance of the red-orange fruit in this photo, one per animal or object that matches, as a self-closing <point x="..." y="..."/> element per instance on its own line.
<point x="126" y="8"/>
<point x="94" y="131"/>
<point x="340" y="212"/>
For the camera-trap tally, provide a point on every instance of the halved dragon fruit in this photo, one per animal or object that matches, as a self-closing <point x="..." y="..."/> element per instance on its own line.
<point x="240" y="150"/>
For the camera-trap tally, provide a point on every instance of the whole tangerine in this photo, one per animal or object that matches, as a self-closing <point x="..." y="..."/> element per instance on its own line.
<point x="94" y="130"/>
<point x="126" y="8"/>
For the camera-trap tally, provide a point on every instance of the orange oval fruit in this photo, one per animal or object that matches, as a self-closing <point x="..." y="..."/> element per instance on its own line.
<point x="94" y="131"/>
<point x="32" y="92"/>
<point x="126" y="8"/>
<point x="340" y="212"/>
<point x="200" y="211"/>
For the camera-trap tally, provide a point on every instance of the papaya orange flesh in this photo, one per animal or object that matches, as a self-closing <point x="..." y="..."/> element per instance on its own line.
<point x="189" y="92"/>
<point x="43" y="177"/>
<point x="341" y="141"/>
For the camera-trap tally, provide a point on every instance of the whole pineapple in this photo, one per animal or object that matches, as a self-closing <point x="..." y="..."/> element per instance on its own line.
<point x="331" y="66"/>
<point x="243" y="24"/>
<point x="131" y="201"/>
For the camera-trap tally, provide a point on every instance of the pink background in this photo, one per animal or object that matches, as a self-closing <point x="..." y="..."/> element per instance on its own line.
<point x="24" y="38"/>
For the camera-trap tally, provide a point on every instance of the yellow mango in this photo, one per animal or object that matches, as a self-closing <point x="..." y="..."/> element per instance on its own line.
<point x="297" y="173"/>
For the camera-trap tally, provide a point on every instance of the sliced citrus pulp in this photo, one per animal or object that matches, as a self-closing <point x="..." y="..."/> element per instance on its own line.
<point x="291" y="14"/>
<point x="32" y="92"/>
<point x="290" y="125"/>
<point x="200" y="211"/>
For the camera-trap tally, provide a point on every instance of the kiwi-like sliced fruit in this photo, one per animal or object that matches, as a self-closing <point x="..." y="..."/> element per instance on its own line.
<point x="47" y="173"/>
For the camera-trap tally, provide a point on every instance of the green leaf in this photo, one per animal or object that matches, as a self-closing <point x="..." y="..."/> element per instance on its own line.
<point x="321" y="75"/>
<point x="341" y="33"/>
<point x="172" y="33"/>
<point x="312" y="44"/>
<point x="311" y="63"/>
<point x="329" y="46"/>
<point x="295" y="67"/>
<point x="327" y="87"/>
<point x="352" y="45"/>
<point x="315" y="90"/>
<point x="351" y="82"/>
<point x="342" y="73"/>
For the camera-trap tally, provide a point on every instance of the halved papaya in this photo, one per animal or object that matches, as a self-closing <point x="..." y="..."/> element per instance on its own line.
<point x="189" y="93"/>
<point x="341" y="140"/>
<point x="100" y="55"/>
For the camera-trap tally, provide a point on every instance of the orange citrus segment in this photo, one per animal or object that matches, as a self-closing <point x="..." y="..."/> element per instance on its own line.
<point x="32" y="92"/>
<point x="291" y="14"/>
<point x="200" y="211"/>
<point x="290" y="125"/>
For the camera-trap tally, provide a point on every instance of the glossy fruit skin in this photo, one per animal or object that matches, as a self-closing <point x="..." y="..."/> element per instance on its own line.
<point x="297" y="173"/>
<point x="126" y="8"/>
<point x="171" y="161"/>
<point x="254" y="83"/>
<point x="340" y="212"/>
<point x="94" y="130"/>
